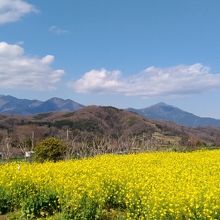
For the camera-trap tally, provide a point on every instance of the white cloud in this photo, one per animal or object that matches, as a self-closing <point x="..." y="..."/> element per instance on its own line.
<point x="57" y="30"/>
<point x="98" y="81"/>
<point x="151" y="82"/>
<point x="48" y="59"/>
<point x="13" y="10"/>
<point x="19" y="70"/>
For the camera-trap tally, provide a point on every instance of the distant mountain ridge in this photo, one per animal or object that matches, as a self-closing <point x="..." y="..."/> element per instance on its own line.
<point x="162" y="111"/>
<point x="13" y="105"/>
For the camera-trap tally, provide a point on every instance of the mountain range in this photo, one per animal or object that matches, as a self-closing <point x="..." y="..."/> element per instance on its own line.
<point x="13" y="106"/>
<point x="93" y="130"/>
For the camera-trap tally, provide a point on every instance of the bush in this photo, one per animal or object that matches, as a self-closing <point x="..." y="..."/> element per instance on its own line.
<point x="51" y="149"/>
<point x="41" y="205"/>
<point x="4" y="202"/>
<point x="87" y="209"/>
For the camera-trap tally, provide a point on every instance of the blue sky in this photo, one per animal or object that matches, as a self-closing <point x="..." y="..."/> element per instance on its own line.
<point x="123" y="53"/>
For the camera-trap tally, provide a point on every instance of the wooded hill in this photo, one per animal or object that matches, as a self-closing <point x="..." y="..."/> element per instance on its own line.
<point x="92" y="130"/>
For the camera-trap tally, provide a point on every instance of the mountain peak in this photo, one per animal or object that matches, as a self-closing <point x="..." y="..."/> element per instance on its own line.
<point x="162" y="107"/>
<point x="56" y="100"/>
<point x="161" y="104"/>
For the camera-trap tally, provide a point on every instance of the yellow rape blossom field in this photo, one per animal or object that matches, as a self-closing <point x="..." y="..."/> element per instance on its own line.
<point x="164" y="185"/>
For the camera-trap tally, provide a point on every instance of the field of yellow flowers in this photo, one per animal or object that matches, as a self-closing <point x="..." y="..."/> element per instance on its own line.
<point x="164" y="185"/>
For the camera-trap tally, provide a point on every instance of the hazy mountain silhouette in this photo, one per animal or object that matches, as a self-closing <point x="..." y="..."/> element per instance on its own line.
<point x="162" y="111"/>
<point x="13" y="105"/>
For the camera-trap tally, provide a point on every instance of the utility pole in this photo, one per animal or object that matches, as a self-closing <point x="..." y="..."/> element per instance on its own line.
<point x="32" y="140"/>
<point x="67" y="134"/>
<point x="7" y="140"/>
